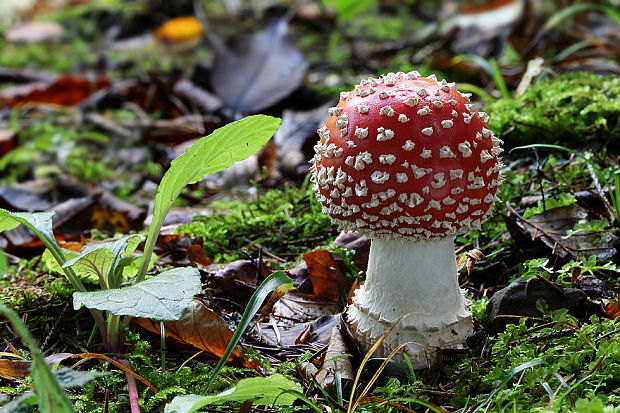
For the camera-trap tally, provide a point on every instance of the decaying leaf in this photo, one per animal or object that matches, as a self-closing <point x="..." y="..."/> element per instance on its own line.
<point x="65" y="90"/>
<point x="552" y="226"/>
<point x="327" y="279"/>
<point x="254" y="72"/>
<point x="337" y="359"/>
<point x="199" y="327"/>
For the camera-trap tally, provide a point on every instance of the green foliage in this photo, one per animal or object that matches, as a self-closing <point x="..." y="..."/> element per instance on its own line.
<point x="570" y="109"/>
<point x="346" y="254"/>
<point x="587" y="360"/>
<point x="277" y="281"/>
<point x="279" y="220"/>
<point x="3" y="263"/>
<point x="275" y="390"/>
<point x="51" y="398"/>
<point x="60" y="57"/>
<point x="46" y="149"/>
<point x="598" y="225"/>
<point x="540" y="266"/>
<point x="563" y="199"/>
<point x="479" y="309"/>
<point x="347" y="9"/>
<point x="223" y="147"/>
<point x="163" y="297"/>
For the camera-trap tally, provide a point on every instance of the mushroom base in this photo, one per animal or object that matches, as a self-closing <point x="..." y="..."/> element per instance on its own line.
<point x="415" y="285"/>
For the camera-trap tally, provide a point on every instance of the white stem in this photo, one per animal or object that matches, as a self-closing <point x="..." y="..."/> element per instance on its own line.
<point x="417" y="281"/>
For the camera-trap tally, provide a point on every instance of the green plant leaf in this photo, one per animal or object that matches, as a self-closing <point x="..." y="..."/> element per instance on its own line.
<point x="164" y="297"/>
<point x="3" y="263"/>
<point x="225" y="146"/>
<point x="41" y="224"/>
<point x="69" y="378"/>
<point x="510" y="375"/>
<point x="276" y="389"/>
<point x="51" y="398"/>
<point x="276" y="281"/>
<point x="100" y="260"/>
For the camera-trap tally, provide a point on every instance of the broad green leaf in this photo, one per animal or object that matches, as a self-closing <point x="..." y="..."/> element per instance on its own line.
<point x="100" y="260"/>
<point x="51" y="398"/>
<point x="225" y="146"/>
<point x="131" y="265"/>
<point x="41" y="224"/>
<point x="261" y="390"/>
<point x="276" y="281"/>
<point x="52" y="265"/>
<point x="38" y="222"/>
<point x="164" y="297"/>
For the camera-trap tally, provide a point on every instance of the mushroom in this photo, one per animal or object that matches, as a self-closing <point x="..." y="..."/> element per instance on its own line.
<point x="409" y="162"/>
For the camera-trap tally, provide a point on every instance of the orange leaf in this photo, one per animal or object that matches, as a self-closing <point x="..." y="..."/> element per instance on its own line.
<point x="613" y="308"/>
<point x="65" y="90"/>
<point x="325" y="275"/>
<point x="196" y="254"/>
<point x="200" y="327"/>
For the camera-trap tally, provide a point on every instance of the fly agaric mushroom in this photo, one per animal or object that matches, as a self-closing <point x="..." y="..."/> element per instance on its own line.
<point x="410" y="163"/>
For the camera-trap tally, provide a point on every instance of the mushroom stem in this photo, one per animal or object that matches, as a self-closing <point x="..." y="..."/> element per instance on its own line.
<point x="415" y="280"/>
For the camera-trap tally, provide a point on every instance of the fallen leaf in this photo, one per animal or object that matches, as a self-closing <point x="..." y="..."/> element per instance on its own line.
<point x="65" y="90"/>
<point x="196" y="255"/>
<point x="34" y="32"/>
<point x="200" y="327"/>
<point x="613" y="308"/>
<point x="327" y="280"/>
<point x="8" y="141"/>
<point x="552" y="225"/>
<point x="9" y="369"/>
<point x="254" y="72"/>
<point x="319" y="332"/>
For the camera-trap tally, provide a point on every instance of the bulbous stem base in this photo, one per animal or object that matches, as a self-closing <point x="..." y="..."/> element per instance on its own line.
<point x="416" y="283"/>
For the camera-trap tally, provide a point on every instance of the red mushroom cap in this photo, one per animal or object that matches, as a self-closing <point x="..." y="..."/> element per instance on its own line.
<point x="407" y="156"/>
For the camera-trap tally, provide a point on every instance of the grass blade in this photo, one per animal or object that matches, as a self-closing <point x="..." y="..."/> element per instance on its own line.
<point x="51" y="397"/>
<point x="513" y="373"/>
<point x="276" y="280"/>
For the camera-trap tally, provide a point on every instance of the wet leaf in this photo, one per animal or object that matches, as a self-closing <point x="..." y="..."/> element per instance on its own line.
<point x="196" y="255"/>
<point x="254" y="72"/>
<point x="8" y="141"/>
<point x="14" y="368"/>
<point x="199" y="327"/>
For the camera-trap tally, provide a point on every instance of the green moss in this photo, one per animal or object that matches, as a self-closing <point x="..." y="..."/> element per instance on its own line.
<point x="287" y="222"/>
<point x="571" y="109"/>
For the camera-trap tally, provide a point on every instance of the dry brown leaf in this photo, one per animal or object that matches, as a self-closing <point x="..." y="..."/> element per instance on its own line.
<point x="10" y="369"/>
<point x="200" y="327"/>
<point x="65" y="90"/>
<point x="325" y="275"/>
